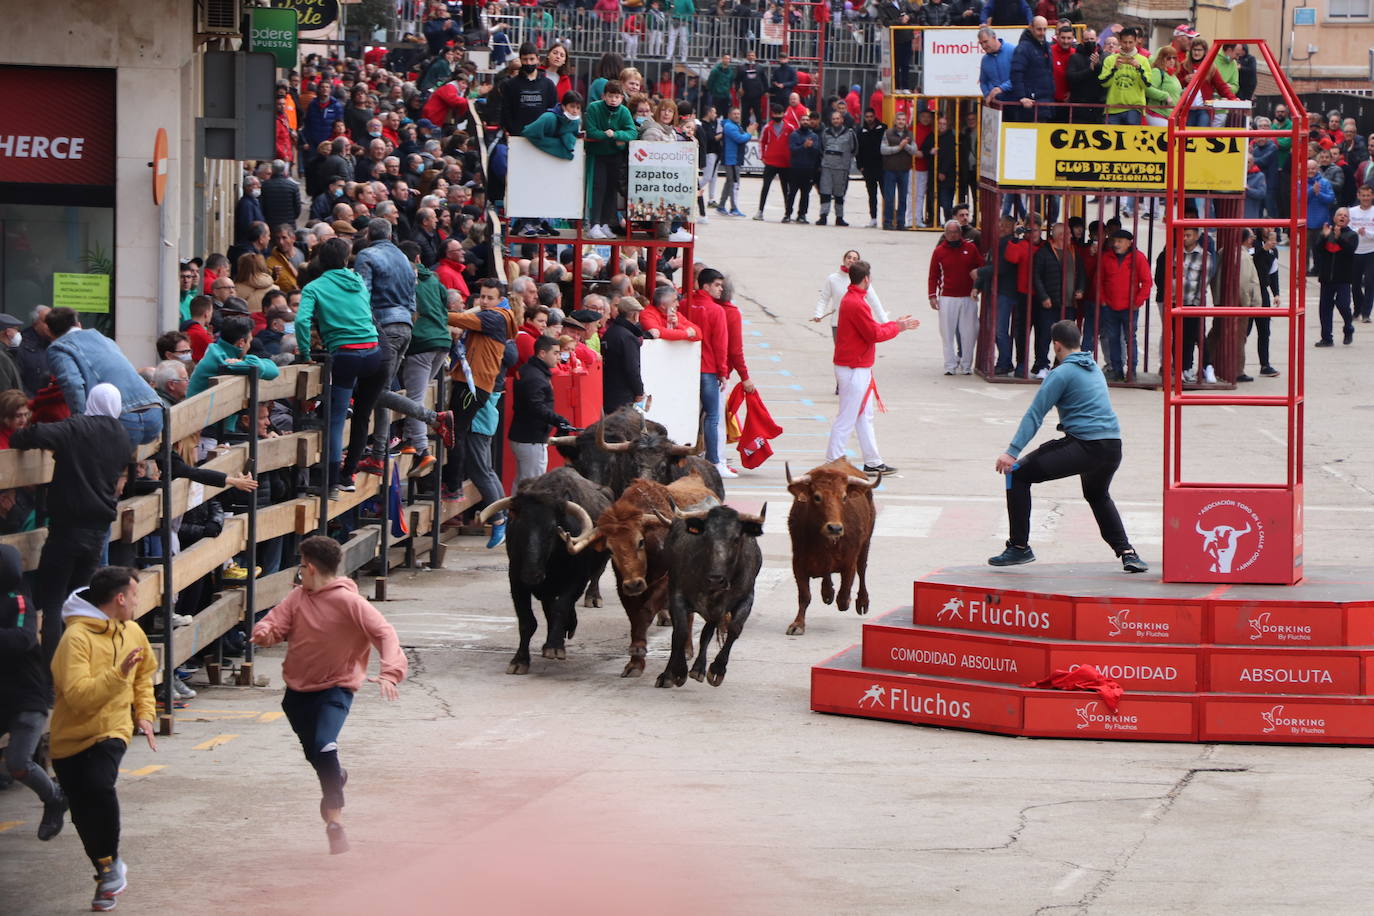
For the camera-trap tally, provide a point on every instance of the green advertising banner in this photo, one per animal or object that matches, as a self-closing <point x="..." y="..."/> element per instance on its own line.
<point x="81" y="292"/>
<point x="273" y="31"/>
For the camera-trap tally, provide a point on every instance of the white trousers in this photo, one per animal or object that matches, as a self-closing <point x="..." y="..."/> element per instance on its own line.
<point x="677" y="39"/>
<point x="853" y="385"/>
<point x="922" y="192"/>
<point x="958" y="331"/>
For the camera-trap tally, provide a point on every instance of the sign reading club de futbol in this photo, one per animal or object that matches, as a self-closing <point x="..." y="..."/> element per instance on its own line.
<point x="48" y="143"/>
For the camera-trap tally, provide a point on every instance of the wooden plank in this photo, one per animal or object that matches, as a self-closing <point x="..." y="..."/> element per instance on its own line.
<point x="25" y="468"/>
<point x="272" y="589"/>
<point x="226" y="396"/>
<point x="289" y="450"/>
<point x="452" y="508"/>
<point x="360" y="549"/>
<point x="146" y="511"/>
<point x="149" y="590"/>
<point x="287" y="384"/>
<point x="221" y="616"/>
<point x="28" y="543"/>
<point x="279" y="519"/>
<point x="207" y="554"/>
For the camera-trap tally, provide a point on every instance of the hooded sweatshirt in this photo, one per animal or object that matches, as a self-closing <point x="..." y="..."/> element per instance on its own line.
<point x="331" y="632"/>
<point x="1078" y="391"/>
<point x="92" y="699"/>
<point x="86" y="469"/>
<point x="25" y="685"/>
<point x="338" y="305"/>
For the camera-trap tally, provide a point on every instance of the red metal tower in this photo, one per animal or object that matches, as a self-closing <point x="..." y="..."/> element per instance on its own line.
<point x="804" y="41"/>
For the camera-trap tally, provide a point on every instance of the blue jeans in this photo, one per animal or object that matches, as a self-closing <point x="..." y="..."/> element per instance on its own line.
<point x="1124" y="117"/>
<point x="144" y="426"/>
<point x="363" y="371"/>
<point x="710" y="408"/>
<point x="895" y="187"/>
<point x="1119" y="327"/>
<point x="317" y="717"/>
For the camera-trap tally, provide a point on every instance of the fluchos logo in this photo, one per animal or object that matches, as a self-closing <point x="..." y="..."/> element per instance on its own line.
<point x="1275" y="720"/>
<point x="1261" y="628"/>
<point x="899" y="699"/>
<point x="1090" y="716"/>
<point x="1121" y="622"/>
<point x="953" y="610"/>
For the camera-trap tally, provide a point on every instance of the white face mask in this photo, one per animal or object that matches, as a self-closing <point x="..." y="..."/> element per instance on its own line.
<point x="14" y="340"/>
<point x="184" y="357"/>
<point x="256" y="192"/>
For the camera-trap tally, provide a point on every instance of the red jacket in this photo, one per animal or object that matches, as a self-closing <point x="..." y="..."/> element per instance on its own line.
<point x="773" y="145"/>
<point x="524" y="342"/>
<point x="652" y="319"/>
<point x="857" y="334"/>
<point x="451" y="276"/>
<point x="756" y="429"/>
<point x="1022" y="253"/>
<point x="706" y="314"/>
<point x="200" y="340"/>
<point x="950" y="267"/>
<point x="1059" y="62"/>
<point x="1126" y="279"/>
<point x="919" y="133"/>
<point x="734" y="340"/>
<point x="445" y="100"/>
<point x="285" y="145"/>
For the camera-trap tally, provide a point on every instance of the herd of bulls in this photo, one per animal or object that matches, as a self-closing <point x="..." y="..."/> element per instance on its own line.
<point x="654" y="509"/>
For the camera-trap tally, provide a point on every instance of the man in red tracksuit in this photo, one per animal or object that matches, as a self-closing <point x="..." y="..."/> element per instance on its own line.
<point x="953" y="264"/>
<point x="734" y="362"/>
<point x="1126" y="282"/>
<point x="776" y="153"/>
<point x="856" y="337"/>
<point x="704" y="311"/>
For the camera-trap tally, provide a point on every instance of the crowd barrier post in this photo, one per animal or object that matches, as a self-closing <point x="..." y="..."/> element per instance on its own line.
<point x="167" y="721"/>
<point x="436" y="547"/>
<point x="326" y="411"/>
<point x="250" y="583"/>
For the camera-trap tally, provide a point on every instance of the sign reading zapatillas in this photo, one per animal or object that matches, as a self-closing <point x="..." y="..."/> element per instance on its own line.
<point x="1115" y="156"/>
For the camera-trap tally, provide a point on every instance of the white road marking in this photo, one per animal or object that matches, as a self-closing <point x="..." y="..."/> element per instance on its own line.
<point x="906" y="521"/>
<point x="1069" y="880"/>
<point x="996" y="392"/>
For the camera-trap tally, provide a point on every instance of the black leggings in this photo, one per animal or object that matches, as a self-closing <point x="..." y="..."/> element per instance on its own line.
<point x="798" y="188"/>
<point x="605" y="178"/>
<point x="1095" y="460"/>
<point x="769" y="173"/>
<point x="874" y="183"/>
<point x="88" y="779"/>
<point x="69" y="557"/>
<point x="464" y="405"/>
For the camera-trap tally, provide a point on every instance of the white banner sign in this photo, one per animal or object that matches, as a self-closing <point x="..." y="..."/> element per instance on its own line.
<point x="542" y="186"/>
<point x="950" y="59"/>
<point x="670" y="370"/>
<point x="663" y="181"/>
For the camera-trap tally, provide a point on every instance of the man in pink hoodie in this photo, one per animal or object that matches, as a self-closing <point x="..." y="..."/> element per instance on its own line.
<point x="331" y="630"/>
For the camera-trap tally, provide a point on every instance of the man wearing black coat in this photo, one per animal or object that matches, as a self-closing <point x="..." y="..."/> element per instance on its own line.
<point x="622" y="383"/>
<point x="870" y="160"/>
<point x="782" y="79"/>
<point x="1085" y="88"/>
<point x="533" y="413"/>
<point x="281" y="197"/>
<point x="32" y="353"/>
<point x="752" y="81"/>
<point x="1058" y="277"/>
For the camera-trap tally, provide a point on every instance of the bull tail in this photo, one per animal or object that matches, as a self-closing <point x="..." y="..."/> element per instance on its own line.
<point x="722" y="627"/>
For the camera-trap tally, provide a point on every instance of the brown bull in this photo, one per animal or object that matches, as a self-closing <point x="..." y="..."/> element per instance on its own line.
<point x="633" y="530"/>
<point x="831" y="524"/>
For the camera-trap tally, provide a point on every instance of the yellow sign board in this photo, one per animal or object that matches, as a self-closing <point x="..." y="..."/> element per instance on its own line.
<point x="81" y="292"/>
<point x="1126" y="157"/>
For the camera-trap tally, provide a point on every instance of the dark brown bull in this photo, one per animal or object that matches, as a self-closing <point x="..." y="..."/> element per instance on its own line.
<point x="831" y="524"/>
<point x="633" y="531"/>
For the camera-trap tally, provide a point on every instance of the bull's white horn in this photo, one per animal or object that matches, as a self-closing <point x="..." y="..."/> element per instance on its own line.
<point x="494" y="508"/>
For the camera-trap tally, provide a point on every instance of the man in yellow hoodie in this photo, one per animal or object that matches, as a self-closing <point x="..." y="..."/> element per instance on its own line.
<point x="103" y="669"/>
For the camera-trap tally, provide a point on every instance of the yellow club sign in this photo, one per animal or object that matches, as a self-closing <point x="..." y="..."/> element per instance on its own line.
<point x="1125" y="157"/>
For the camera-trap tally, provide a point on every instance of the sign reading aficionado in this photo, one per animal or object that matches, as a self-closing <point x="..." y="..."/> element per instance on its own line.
<point x="663" y="181"/>
<point x="951" y="58"/>
<point x="44" y="144"/>
<point x="1103" y="156"/>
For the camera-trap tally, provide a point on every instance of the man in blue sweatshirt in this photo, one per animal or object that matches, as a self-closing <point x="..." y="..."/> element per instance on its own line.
<point x="1090" y="448"/>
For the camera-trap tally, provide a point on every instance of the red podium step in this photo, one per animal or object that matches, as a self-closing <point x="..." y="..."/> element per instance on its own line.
<point x="1198" y="663"/>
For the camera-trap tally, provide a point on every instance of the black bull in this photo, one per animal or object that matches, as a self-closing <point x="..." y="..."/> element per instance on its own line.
<point x="540" y="564"/>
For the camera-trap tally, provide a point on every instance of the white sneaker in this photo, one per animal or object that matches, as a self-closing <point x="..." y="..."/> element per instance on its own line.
<point x="595" y="233"/>
<point x="1190" y="375"/>
<point x="1209" y="375"/>
<point x="703" y="218"/>
<point x="1043" y="374"/>
<point x="727" y="472"/>
<point x="181" y="691"/>
<point x="682" y="235"/>
<point x="181" y="620"/>
<point x="873" y="224"/>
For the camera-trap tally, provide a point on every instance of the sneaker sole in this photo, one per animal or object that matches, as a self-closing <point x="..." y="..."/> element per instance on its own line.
<point x="1011" y="562"/>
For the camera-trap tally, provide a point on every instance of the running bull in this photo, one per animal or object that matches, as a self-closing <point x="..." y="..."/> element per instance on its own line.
<point x="831" y="524"/>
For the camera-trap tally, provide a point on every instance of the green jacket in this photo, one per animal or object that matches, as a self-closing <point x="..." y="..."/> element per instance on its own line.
<point x="684" y="10"/>
<point x="719" y="80"/>
<point x="1125" y="85"/>
<point x="338" y="305"/>
<point x="213" y="363"/>
<point x="185" y="306"/>
<point x="431" y="315"/>
<point x="1229" y="70"/>
<point x="1162" y="93"/>
<point x="554" y="133"/>
<point x="1285" y="144"/>
<point x="597" y="118"/>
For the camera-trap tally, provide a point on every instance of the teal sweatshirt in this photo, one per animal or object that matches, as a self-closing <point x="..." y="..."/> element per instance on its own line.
<point x="554" y="133"/>
<point x="431" y="315"/>
<point x="1077" y="389"/>
<point x="213" y="363"/>
<point x="338" y="305"/>
<point x="599" y="118"/>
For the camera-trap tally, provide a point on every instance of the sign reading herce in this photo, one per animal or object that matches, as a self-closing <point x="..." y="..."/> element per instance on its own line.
<point x="44" y="144"/>
<point x="1114" y="156"/>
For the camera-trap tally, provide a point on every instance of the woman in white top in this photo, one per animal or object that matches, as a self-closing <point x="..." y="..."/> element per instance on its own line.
<point x="833" y="290"/>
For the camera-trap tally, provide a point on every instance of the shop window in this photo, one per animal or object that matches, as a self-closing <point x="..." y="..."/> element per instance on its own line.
<point x="50" y="255"/>
<point x="1346" y="10"/>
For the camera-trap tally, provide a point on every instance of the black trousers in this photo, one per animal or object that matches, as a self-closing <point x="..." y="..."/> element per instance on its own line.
<point x="605" y="189"/>
<point x="69" y="557"/>
<point x="464" y="406"/>
<point x="88" y="779"/>
<point x="1192" y="336"/>
<point x="769" y="173"/>
<point x="798" y="188"/>
<point x="1095" y="460"/>
<point x="874" y="183"/>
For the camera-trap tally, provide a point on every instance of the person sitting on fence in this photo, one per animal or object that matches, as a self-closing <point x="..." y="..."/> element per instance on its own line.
<point x="229" y="355"/>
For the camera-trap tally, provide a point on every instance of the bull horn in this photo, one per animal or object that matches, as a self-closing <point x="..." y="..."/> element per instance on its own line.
<point x="700" y="514"/>
<point x="562" y="440"/>
<point x="680" y="451"/>
<point x="865" y="482"/>
<point x="700" y="447"/>
<point x="605" y="446"/>
<point x="584" y="537"/>
<point x="803" y="479"/>
<point x="649" y="518"/>
<point x="1198" y="525"/>
<point x="757" y="519"/>
<point x="499" y="506"/>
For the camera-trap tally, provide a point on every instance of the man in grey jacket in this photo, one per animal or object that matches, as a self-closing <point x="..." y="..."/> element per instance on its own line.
<point x="838" y="145"/>
<point x="82" y="358"/>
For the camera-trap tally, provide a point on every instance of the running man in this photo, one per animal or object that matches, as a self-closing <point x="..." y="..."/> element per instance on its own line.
<point x="330" y="630"/>
<point x="856" y="342"/>
<point x="1090" y="448"/>
<point x="103" y="668"/>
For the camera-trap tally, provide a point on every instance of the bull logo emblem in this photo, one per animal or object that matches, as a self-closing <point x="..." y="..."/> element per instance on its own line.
<point x="1220" y="544"/>
<point x="953" y="609"/>
<point x="874" y="696"/>
<point x="1084" y="712"/>
<point x="1269" y="718"/>
<point x="1118" y="621"/>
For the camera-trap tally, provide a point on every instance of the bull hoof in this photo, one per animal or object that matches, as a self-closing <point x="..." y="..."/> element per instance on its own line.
<point x="827" y="593"/>
<point x="697" y="675"/>
<point x="632" y="670"/>
<point x="796" y="629"/>
<point x="559" y="653"/>
<point x="589" y="601"/>
<point x="664" y="619"/>
<point x="861" y="609"/>
<point x="714" y="678"/>
<point x="664" y="680"/>
<point x="518" y="668"/>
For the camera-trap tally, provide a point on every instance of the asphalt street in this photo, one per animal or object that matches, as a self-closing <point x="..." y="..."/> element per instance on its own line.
<point x="572" y="788"/>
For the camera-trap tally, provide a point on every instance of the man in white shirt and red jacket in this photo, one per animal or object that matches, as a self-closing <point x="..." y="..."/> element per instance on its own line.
<point x="856" y="338"/>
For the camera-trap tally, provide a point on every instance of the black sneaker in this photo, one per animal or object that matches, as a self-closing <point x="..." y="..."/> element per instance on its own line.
<point x="822" y="219"/>
<point x="1325" y="343"/>
<point x="53" y="818"/>
<point x="1013" y="556"/>
<point x="886" y="470"/>
<point x="840" y="222"/>
<point x="1244" y="378"/>
<point x="1131" y="562"/>
<point x="1268" y="371"/>
<point x="1349" y="336"/>
<point x="803" y="220"/>
<point x="338" y="840"/>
